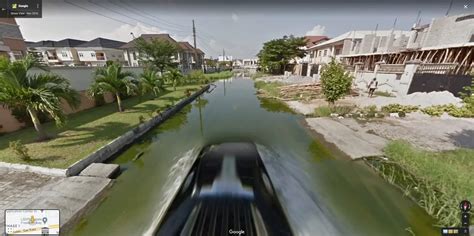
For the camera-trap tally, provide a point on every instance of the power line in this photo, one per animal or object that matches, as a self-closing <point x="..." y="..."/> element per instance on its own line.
<point x="134" y="11"/>
<point x="133" y="18"/>
<point x="112" y="18"/>
<point x="145" y="13"/>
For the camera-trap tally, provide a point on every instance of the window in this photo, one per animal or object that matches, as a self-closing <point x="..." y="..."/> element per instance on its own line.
<point x="64" y="54"/>
<point x="134" y="55"/>
<point x="92" y="54"/>
<point x="325" y="52"/>
<point x="81" y="54"/>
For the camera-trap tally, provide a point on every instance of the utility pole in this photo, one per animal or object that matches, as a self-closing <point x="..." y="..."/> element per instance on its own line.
<point x="194" y="35"/>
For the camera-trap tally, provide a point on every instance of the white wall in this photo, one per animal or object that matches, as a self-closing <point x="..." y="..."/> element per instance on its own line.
<point x="81" y="77"/>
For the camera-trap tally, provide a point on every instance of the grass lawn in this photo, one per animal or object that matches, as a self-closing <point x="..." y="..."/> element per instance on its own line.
<point x="446" y="178"/>
<point x="271" y="89"/>
<point x="86" y="131"/>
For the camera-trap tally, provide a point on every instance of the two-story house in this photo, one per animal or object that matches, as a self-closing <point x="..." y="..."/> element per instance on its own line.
<point x="187" y="57"/>
<point x="12" y="44"/>
<point x="100" y="50"/>
<point x="57" y="53"/>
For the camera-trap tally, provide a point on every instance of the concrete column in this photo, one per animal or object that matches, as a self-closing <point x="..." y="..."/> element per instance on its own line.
<point x="407" y="76"/>
<point x="308" y="71"/>
<point x="377" y="67"/>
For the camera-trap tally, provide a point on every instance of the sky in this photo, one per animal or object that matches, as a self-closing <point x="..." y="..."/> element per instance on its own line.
<point x="237" y="27"/>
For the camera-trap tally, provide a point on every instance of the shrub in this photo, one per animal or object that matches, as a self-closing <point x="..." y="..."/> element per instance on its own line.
<point x="187" y="92"/>
<point x="396" y="108"/>
<point x="335" y="81"/>
<point x="141" y="119"/>
<point x="20" y="150"/>
<point x="401" y="114"/>
<point x="322" y="111"/>
<point x="451" y="109"/>
<point x="383" y="93"/>
<point x="369" y="111"/>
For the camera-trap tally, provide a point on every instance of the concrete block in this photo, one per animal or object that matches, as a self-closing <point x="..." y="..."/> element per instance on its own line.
<point x="100" y="170"/>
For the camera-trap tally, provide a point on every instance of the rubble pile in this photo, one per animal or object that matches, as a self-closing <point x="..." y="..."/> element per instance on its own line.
<point x="300" y="91"/>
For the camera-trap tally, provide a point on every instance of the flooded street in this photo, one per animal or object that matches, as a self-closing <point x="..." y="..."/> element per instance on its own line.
<point x="322" y="191"/>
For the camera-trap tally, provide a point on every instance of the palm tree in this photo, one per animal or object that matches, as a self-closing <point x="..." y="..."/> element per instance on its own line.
<point x="174" y="76"/>
<point x="35" y="92"/>
<point x="150" y="82"/>
<point x="112" y="79"/>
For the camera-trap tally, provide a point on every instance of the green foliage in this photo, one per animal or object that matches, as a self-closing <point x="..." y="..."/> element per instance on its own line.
<point x="157" y="53"/>
<point x="196" y="77"/>
<point x="35" y="93"/>
<point x="468" y="96"/>
<point x="276" y="54"/>
<point x="368" y="111"/>
<point x="335" y="81"/>
<point x="20" y="150"/>
<point x="141" y="119"/>
<point x="437" y="110"/>
<point x="112" y="79"/>
<point x="219" y="75"/>
<point x="259" y="74"/>
<point x="325" y="111"/>
<point x="396" y="108"/>
<point x="444" y="178"/>
<point x="151" y="82"/>
<point x="174" y="77"/>
<point x="383" y="94"/>
<point x="269" y="89"/>
<point x="322" y="111"/>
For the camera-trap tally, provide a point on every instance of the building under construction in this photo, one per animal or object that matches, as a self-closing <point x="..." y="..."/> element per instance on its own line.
<point x="443" y="47"/>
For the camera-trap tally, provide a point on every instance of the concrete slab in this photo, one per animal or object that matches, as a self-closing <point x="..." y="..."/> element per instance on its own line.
<point x="355" y="143"/>
<point x="100" y="170"/>
<point x="73" y="196"/>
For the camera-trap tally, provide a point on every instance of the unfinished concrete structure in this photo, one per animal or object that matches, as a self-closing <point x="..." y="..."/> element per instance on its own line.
<point x="444" y="46"/>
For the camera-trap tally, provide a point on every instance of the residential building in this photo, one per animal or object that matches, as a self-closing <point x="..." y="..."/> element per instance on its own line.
<point x="301" y="64"/>
<point x="356" y="42"/>
<point x="225" y="58"/>
<point x="100" y="50"/>
<point x="188" y="57"/>
<point x="250" y="63"/>
<point x="57" y="53"/>
<point x="12" y="43"/>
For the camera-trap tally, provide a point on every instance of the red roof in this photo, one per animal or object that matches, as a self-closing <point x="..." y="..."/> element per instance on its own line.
<point x="313" y="40"/>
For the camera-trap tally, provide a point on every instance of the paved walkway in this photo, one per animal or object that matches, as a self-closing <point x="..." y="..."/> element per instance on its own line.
<point x="355" y="143"/>
<point x="16" y="186"/>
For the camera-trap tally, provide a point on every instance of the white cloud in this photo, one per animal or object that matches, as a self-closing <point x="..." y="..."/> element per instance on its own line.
<point x="235" y="17"/>
<point x="317" y="30"/>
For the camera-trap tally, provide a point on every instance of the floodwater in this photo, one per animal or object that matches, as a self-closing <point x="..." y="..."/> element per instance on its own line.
<point x="323" y="192"/>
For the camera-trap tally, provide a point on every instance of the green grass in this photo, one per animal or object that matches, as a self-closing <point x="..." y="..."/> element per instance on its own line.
<point x="271" y="89"/>
<point x="219" y="75"/>
<point x="325" y="111"/>
<point x="259" y="74"/>
<point x="383" y="94"/>
<point x="443" y="178"/>
<point x="86" y="131"/>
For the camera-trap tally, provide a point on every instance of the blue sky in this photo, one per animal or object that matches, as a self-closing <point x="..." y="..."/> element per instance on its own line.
<point x="240" y="29"/>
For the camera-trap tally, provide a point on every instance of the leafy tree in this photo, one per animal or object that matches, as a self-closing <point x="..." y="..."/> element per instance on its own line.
<point x="150" y="82"/>
<point x="174" y="77"/>
<point x="335" y="81"/>
<point x="157" y="53"/>
<point x="112" y="79"/>
<point x="277" y="53"/>
<point x="35" y="93"/>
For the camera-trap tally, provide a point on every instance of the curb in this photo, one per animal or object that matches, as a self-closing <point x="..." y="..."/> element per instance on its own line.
<point x="110" y="149"/>
<point x="118" y="144"/>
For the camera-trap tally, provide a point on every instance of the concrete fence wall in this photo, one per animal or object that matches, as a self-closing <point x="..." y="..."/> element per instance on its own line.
<point x="80" y="79"/>
<point x="395" y="83"/>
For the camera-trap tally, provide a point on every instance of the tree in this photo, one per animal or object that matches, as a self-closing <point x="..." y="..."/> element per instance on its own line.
<point x="150" y="82"/>
<point x="335" y="81"/>
<point x="157" y="53"/>
<point x="277" y="53"/>
<point x="36" y="93"/>
<point x="174" y="76"/>
<point x="112" y="79"/>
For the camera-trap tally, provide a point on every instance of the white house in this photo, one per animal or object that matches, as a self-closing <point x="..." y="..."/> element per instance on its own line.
<point x="100" y="50"/>
<point x="57" y="53"/>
